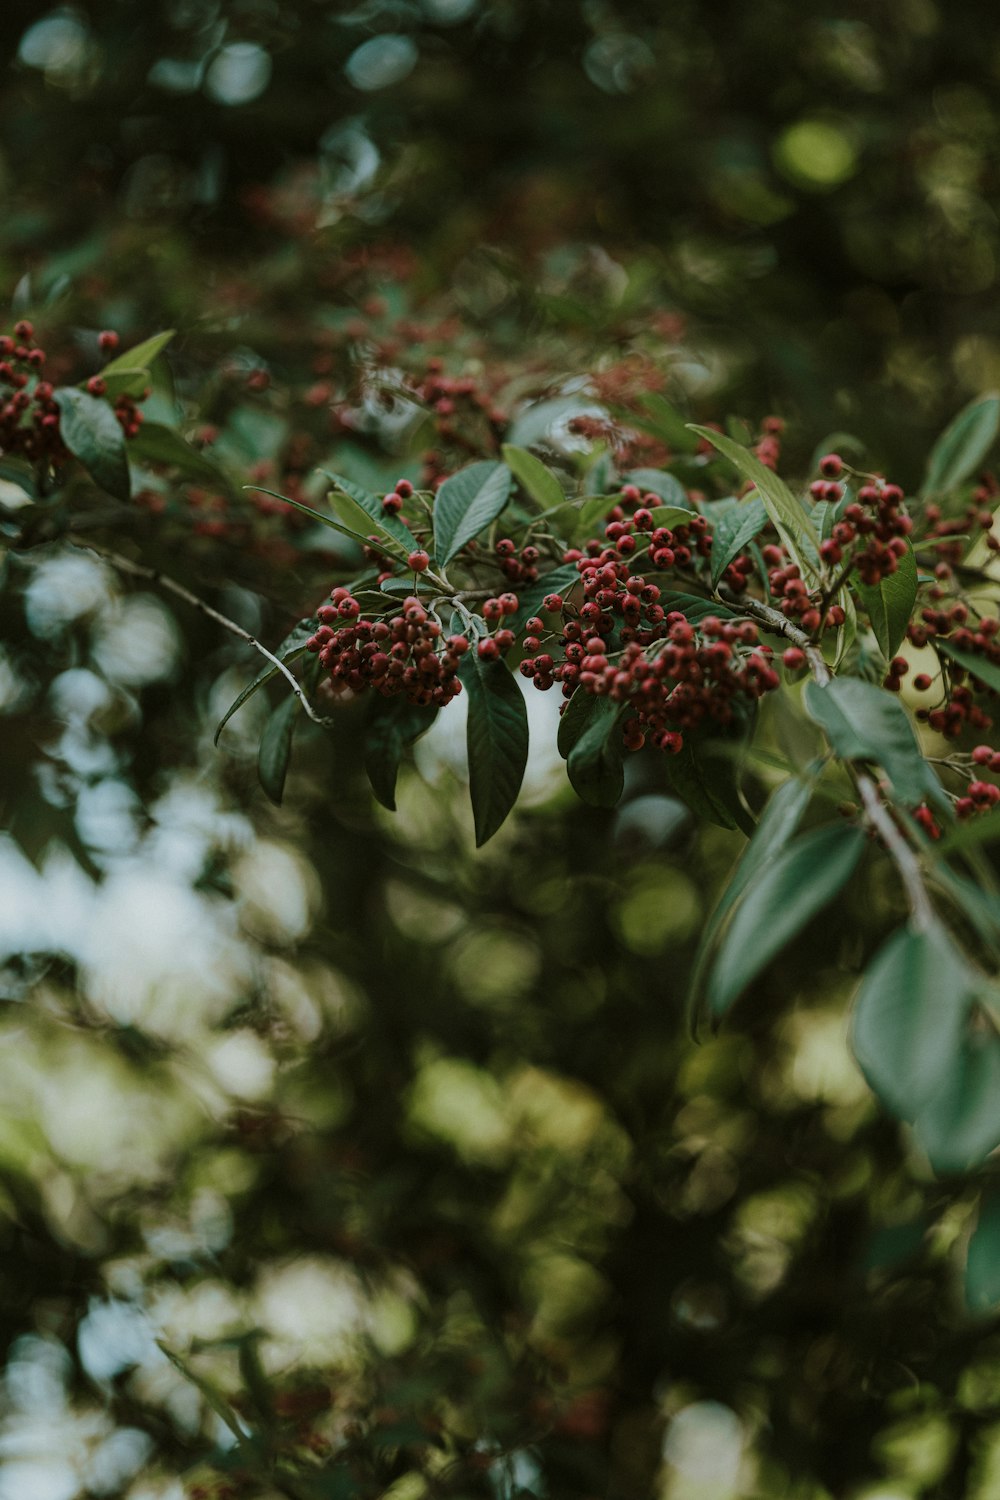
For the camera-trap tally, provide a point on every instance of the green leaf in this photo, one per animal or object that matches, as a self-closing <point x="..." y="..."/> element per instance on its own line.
<point x="92" y="432"/>
<point x="909" y="1018"/>
<point x="984" y="829"/>
<point x="694" y="607"/>
<point x="363" y="511"/>
<point x="157" y="444"/>
<point x="466" y="504"/>
<point x="595" y="767"/>
<point x="291" y="648"/>
<point x="778" y="822"/>
<point x="988" y="672"/>
<point x="963" y="445"/>
<point x="580" y="712"/>
<point x="125" y="383"/>
<point x="732" y="533"/>
<point x="577" y="520"/>
<point x="534" y="478"/>
<point x="864" y="722"/>
<point x="392" y="725"/>
<point x="671" y="516"/>
<point x="705" y="774"/>
<point x="275" y="750"/>
<point x="666" y="422"/>
<point x="960" y="1125"/>
<point x="789" y="517"/>
<point x="982" y="1266"/>
<point x="788" y="893"/>
<point x="317" y="515"/>
<point x="658" y="482"/>
<point x="497" y="739"/>
<point x="141" y="356"/>
<point x="558" y="581"/>
<point x="890" y="603"/>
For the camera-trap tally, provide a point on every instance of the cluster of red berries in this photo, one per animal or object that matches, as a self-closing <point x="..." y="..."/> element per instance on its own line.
<point x="877" y="517"/>
<point x="405" y="654"/>
<point x="977" y="516"/>
<point x="517" y="566"/>
<point x="451" y="399"/>
<point x="693" y="677"/>
<point x="960" y="709"/>
<point x="30" y="415"/>
<point x="980" y="795"/>
<point x="792" y="595"/>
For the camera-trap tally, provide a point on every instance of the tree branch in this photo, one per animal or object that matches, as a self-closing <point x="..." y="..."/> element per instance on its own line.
<point x="878" y="815"/>
<point x="171" y="586"/>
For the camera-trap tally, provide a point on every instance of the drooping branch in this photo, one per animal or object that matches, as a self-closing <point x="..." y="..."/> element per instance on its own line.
<point x="878" y="815"/>
<point x="170" y="585"/>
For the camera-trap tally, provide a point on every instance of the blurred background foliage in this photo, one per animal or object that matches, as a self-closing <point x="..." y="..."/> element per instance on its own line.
<point x="335" y="1159"/>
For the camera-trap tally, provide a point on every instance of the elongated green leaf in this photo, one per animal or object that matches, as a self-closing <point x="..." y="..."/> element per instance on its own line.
<point x="789" y="892"/>
<point x="317" y="515"/>
<point x="981" y="830"/>
<point x="362" y="510"/>
<point x="732" y="533"/>
<point x="125" y="383"/>
<point x="789" y="517"/>
<point x="705" y="774"/>
<point x="497" y="739"/>
<point x="963" y="445"/>
<point x="778" y="822"/>
<point x="988" y="672"/>
<point x="392" y="725"/>
<point x="140" y="356"/>
<point x="92" y="432"/>
<point x="671" y="516"/>
<point x="960" y="1125"/>
<point x="156" y="444"/>
<point x="533" y="476"/>
<point x="864" y="722"/>
<point x="595" y="767"/>
<point x="275" y="750"/>
<point x="890" y="603"/>
<point x="694" y="607"/>
<point x="658" y="482"/>
<point x="910" y="1017"/>
<point x="666" y="422"/>
<point x="466" y="503"/>
<point x="291" y="648"/>
<point x="982" y="1267"/>
<point x="580" y="712"/>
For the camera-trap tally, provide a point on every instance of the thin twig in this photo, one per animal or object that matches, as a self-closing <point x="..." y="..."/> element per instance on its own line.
<point x="899" y="851"/>
<point x="171" y="586"/>
<point x="776" y="622"/>
<point x="878" y="814"/>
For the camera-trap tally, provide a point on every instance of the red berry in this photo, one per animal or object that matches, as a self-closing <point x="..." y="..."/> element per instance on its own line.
<point x="107" y="341"/>
<point x="794" y="658"/>
<point x="419" y="561"/>
<point x="393" y="503"/>
<point x="831" y="466"/>
<point x="488" y="649"/>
